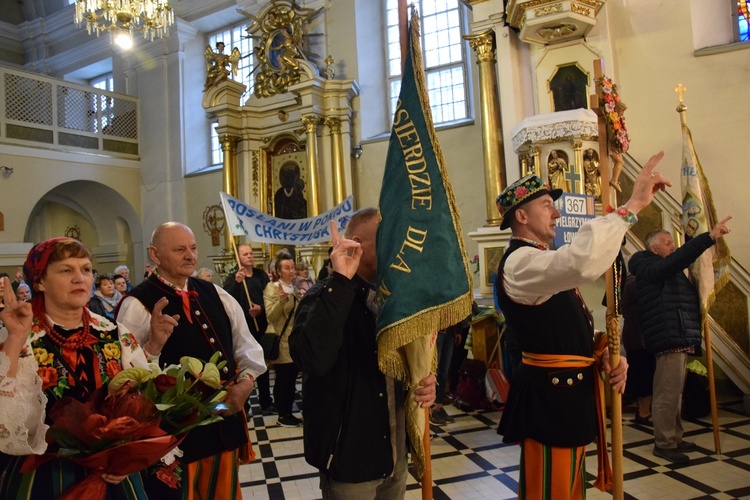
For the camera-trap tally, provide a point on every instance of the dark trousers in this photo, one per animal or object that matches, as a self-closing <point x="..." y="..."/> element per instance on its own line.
<point x="444" y="344"/>
<point x="284" y="387"/>
<point x="263" y="383"/>
<point x="459" y="355"/>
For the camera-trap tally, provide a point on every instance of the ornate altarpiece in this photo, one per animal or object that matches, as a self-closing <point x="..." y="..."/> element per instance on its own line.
<point x="295" y="119"/>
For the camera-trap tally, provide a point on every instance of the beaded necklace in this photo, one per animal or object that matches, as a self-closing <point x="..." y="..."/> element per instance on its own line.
<point x="75" y="341"/>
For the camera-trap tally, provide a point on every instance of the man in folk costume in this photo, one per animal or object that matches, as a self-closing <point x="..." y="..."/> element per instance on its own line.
<point x="555" y="407"/>
<point x="174" y="315"/>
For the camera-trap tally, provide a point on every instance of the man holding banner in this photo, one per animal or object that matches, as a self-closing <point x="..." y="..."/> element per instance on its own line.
<point x="555" y="406"/>
<point x="354" y="426"/>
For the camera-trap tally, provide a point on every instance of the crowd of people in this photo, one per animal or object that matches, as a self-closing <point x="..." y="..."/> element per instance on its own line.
<point x="65" y="332"/>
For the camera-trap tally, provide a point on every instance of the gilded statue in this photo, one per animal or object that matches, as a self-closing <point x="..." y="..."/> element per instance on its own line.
<point x="592" y="176"/>
<point x="218" y="64"/>
<point x="557" y="167"/>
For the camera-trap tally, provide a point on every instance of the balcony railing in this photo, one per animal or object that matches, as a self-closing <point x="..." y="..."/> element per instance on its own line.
<point x="43" y="111"/>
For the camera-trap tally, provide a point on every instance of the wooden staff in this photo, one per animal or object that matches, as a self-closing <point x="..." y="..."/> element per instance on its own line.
<point x="403" y="30"/>
<point x="244" y="284"/>
<point x="609" y="197"/>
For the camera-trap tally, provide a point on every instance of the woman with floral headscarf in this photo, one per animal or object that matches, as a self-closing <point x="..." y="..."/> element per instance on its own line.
<point x="50" y="348"/>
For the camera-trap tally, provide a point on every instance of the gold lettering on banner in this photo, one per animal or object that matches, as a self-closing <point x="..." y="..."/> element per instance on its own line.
<point x="415" y="239"/>
<point x="415" y="162"/>
<point x="545" y="11"/>
<point x="574" y="7"/>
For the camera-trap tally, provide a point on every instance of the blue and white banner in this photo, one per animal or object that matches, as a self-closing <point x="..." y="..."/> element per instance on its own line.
<point x="575" y="209"/>
<point x="244" y="220"/>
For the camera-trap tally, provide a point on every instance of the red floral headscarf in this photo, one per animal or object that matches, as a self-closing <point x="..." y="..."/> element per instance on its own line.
<point x="36" y="261"/>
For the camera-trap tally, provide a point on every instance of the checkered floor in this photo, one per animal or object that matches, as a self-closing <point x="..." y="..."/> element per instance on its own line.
<point x="469" y="461"/>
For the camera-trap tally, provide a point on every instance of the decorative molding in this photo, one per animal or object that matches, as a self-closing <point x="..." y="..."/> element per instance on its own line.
<point x="255" y="166"/>
<point x="584" y="11"/>
<point x="483" y="45"/>
<point x="549" y="9"/>
<point x="554" y="127"/>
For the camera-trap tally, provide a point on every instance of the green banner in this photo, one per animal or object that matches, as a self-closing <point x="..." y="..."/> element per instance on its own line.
<point x="424" y="282"/>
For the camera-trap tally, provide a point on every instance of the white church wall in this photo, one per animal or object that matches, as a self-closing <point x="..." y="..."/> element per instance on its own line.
<point x="654" y="44"/>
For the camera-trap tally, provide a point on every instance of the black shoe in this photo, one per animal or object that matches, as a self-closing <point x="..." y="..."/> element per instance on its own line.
<point x="686" y="446"/>
<point x="643" y="420"/>
<point x="671" y="454"/>
<point x="289" y="421"/>
<point x="437" y="417"/>
<point x="269" y="410"/>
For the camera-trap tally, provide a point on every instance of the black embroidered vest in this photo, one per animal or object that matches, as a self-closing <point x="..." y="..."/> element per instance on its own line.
<point x="554" y="406"/>
<point x="209" y="332"/>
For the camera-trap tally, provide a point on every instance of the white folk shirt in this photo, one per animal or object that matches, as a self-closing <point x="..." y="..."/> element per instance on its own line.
<point x="531" y="276"/>
<point x="247" y="352"/>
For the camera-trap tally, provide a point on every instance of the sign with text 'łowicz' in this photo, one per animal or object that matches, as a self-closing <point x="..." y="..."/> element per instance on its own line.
<point x="575" y="209"/>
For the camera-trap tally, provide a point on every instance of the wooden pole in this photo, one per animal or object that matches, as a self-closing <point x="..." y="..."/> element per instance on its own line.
<point x="711" y="387"/>
<point x="247" y="292"/>
<point x="609" y="197"/>
<point x="403" y="30"/>
<point x="682" y="110"/>
<point x="427" y="477"/>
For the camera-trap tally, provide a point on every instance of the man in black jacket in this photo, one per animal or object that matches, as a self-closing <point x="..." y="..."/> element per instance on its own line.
<point x="252" y="280"/>
<point x="670" y="316"/>
<point x="354" y="427"/>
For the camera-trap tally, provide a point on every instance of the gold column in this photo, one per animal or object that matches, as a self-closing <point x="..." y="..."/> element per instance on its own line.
<point x="492" y="128"/>
<point x="578" y="167"/>
<point x="337" y="160"/>
<point x="524" y="164"/>
<point x="535" y="153"/>
<point x="311" y="123"/>
<point x="229" y="175"/>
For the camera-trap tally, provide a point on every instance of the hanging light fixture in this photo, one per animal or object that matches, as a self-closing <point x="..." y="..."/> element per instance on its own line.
<point x="152" y="18"/>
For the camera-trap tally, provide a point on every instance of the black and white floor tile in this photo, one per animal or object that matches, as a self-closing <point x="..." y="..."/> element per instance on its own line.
<point x="470" y="461"/>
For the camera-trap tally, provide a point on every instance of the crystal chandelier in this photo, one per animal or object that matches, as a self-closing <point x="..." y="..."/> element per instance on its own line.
<point x="152" y="18"/>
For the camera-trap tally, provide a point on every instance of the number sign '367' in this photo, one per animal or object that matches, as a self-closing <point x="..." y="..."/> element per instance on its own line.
<point x="575" y="209"/>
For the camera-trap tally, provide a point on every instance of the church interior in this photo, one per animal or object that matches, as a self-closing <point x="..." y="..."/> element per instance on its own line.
<point x="263" y="98"/>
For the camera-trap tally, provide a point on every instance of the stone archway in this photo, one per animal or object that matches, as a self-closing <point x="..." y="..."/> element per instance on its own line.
<point x="109" y="224"/>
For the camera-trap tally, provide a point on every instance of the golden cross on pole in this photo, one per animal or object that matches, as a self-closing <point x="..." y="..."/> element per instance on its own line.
<point x="680" y="90"/>
<point x="681" y="108"/>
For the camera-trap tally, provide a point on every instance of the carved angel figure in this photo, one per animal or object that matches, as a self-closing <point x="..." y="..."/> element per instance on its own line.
<point x="218" y="63"/>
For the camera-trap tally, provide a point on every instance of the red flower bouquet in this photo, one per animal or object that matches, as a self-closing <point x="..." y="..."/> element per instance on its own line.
<point x="142" y="417"/>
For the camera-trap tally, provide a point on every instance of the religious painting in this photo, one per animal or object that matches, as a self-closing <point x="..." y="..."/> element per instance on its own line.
<point x="569" y="88"/>
<point x="289" y="174"/>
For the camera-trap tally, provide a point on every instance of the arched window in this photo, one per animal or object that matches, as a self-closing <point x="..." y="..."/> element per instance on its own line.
<point x="443" y="52"/>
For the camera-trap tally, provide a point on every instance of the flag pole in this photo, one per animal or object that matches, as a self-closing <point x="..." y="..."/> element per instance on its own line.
<point x="682" y="110"/>
<point x="403" y="30"/>
<point x="247" y="292"/>
<point x="711" y="387"/>
<point x="612" y="323"/>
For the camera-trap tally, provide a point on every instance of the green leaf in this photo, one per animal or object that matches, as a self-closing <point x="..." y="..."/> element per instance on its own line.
<point x="215" y="357"/>
<point x="134" y="375"/>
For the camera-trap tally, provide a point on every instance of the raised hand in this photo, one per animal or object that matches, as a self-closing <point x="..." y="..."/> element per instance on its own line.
<point x="647" y="184"/>
<point x="17" y="317"/>
<point x="721" y="228"/>
<point x="162" y="326"/>
<point x="345" y="254"/>
<point x="240" y="276"/>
